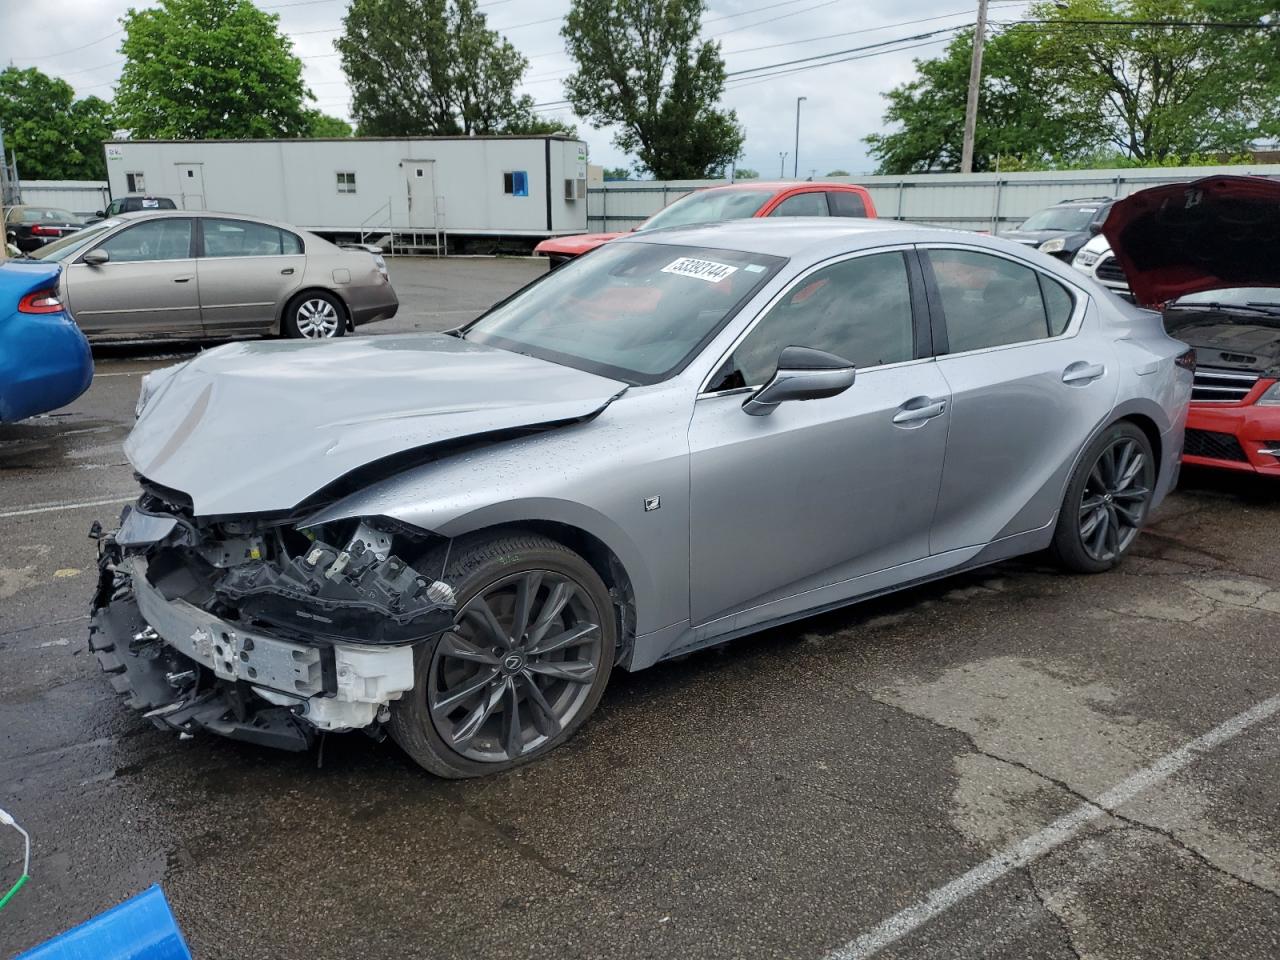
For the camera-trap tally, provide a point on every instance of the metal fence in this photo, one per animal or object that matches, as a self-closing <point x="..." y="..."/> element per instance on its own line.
<point x="84" y="198"/>
<point x="982" y="201"/>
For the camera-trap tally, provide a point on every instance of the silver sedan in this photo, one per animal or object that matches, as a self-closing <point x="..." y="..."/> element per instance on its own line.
<point x="680" y="438"/>
<point x="181" y="273"/>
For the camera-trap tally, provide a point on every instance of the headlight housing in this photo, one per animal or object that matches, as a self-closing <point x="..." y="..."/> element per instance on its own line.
<point x="1271" y="397"/>
<point x="152" y="384"/>
<point x="1052" y="246"/>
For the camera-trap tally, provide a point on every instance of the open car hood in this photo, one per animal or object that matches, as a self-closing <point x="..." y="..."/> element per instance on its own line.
<point x="258" y="427"/>
<point x="575" y="245"/>
<point x="1208" y="234"/>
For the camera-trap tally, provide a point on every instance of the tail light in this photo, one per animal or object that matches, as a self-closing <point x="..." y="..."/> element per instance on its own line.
<point x="41" y="301"/>
<point x="40" y="231"/>
<point x="1186" y="360"/>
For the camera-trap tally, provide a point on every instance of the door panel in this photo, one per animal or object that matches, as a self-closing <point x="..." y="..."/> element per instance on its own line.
<point x="1020" y="412"/>
<point x="815" y="493"/>
<point x="148" y="286"/>
<point x="245" y="272"/>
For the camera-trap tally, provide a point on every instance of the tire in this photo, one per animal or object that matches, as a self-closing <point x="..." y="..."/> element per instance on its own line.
<point x="495" y="571"/>
<point x="1106" y="502"/>
<point x="315" y="315"/>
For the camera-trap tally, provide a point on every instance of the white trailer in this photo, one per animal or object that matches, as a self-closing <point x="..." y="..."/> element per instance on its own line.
<point x="441" y="193"/>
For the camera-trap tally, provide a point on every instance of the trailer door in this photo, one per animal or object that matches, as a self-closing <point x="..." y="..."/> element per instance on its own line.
<point x="191" y="185"/>
<point x="420" y="186"/>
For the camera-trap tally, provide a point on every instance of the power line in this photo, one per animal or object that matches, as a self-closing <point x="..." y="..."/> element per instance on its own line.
<point x="836" y="53"/>
<point x="781" y="16"/>
<point x="62" y="53"/>
<point x="742" y="82"/>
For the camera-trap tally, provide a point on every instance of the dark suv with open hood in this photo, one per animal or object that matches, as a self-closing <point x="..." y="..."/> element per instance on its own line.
<point x="1064" y="228"/>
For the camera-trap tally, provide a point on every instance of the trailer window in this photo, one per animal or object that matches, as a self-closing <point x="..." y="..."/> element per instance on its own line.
<point x="135" y="183"/>
<point x="516" y="183"/>
<point x="346" y="181"/>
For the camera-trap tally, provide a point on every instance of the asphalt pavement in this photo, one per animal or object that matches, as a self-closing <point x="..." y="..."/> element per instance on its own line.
<point x="1012" y="763"/>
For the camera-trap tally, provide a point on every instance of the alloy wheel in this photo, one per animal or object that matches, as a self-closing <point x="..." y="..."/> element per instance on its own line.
<point x="1115" y="498"/>
<point x="318" y="319"/>
<point x="517" y="666"/>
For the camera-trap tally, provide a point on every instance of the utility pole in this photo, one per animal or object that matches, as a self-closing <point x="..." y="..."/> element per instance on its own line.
<point x="782" y="164"/>
<point x="795" y="170"/>
<point x="975" y="80"/>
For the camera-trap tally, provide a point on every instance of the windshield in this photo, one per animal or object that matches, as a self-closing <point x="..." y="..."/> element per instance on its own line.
<point x="1066" y="219"/>
<point x="1234" y="297"/>
<point x="48" y="215"/>
<point x="636" y="312"/>
<point x="709" y="206"/>
<point x="71" y="244"/>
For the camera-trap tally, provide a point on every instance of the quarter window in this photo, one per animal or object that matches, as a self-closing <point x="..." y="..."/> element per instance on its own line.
<point x="858" y="309"/>
<point x="346" y="181"/>
<point x="244" y="238"/>
<point x="802" y="205"/>
<point x="165" y="239"/>
<point x="989" y="301"/>
<point x="1058" y="304"/>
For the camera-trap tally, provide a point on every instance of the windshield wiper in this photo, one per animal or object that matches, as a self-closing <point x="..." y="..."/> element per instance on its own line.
<point x="1269" y="309"/>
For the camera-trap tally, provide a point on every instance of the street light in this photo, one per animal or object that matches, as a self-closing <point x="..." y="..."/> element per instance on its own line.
<point x="782" y="164"/>
<point x="795" y="170"/>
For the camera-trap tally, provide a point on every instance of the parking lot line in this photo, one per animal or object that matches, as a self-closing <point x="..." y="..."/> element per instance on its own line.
<point x="54" y="507"/>
<point x="1018" y="855"/>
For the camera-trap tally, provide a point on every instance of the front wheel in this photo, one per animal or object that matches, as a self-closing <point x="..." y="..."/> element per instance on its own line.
<point x="525" y="664"/>
<point x="1107" y="500"/>
<point x="315" y="316"/>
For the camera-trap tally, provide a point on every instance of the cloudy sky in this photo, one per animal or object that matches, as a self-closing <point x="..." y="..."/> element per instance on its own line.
<point x="79" y="40"/>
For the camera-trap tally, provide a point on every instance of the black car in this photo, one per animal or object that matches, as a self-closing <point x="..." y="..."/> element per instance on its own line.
<point x="30" y="228"/>
<point x="1064" y="228"/>
<point x="132" y="204"/>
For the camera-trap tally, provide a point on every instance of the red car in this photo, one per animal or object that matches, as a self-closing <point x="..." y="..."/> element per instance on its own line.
<point x="1206" y="252"/>
<point x="736" y="201"/>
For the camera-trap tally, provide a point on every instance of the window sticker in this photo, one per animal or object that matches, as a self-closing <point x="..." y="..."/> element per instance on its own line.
<point x="754" y="268"/>
<point x="707" y="270"/>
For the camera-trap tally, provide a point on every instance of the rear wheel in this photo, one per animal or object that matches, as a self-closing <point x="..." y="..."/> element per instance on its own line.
<point x="525" y="664"/>
<point x="315" y="316"/>
<point x="1106" y="501"/>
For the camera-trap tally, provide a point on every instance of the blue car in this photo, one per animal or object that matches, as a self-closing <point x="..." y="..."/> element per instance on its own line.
<point x="45" y="361"/>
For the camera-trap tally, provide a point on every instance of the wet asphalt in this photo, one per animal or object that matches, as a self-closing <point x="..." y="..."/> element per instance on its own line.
<point x="779" y="798"/>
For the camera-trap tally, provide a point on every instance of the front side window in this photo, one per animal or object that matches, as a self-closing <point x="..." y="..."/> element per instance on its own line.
<point x="244" y="238"/>
<point x="989" y="301"/>
<point x="165" y="239"/>
<point x="346" y="182"/>
<point x="637" y="312"/>
<point x="859" y="310"/>
<point x="802" y="205"/>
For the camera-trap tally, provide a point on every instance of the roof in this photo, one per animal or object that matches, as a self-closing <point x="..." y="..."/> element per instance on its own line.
<point x="132" y="215"/>
<point x="777" y="186"/>
<point x="815" y="238"/>
<point x="411" y="139"/>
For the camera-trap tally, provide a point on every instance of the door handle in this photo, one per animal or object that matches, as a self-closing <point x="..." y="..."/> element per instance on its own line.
<point x="920" y="409"/>
<point x="181" y="279"/>
<point x="287" y="271"/>
<point x="1082" y="372"/>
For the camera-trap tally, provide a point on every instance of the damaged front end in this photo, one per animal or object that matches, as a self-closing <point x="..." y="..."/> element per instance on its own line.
<point x="263" y="629"/>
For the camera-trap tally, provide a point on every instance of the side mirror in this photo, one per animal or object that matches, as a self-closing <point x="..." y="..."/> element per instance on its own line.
<point x="100" y="213"/>
<point x="1095" y="228"/>
<point x="803" y="374"/>
<point x="96" y="258"/>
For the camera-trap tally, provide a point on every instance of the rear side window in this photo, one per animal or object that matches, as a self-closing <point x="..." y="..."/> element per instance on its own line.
<point x="988" y="301"/>
<point x="846" y="203"/>
<point x="244" y="238"/>
<point x="858" y="309"/>
<point x="802" y="205"/>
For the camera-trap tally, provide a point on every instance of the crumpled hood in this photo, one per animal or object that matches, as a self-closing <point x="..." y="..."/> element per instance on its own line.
<point x="575" y="245"/>
<point x="1209" y="234"/>
<point x="257" y="427"/>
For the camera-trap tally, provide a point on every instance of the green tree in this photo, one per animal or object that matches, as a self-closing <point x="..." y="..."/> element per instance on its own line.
<point x="838" y="173"/>
<point x="1060" y="93"/>
<point x="745" y="173"/>
<point x="616" y="173"/>
<point x="642" y="68"/>
<point x="433" y="67"/>
<point x="53" y="135"/>
<point x="213" y="69"/>
<point x="322" y="125"/>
